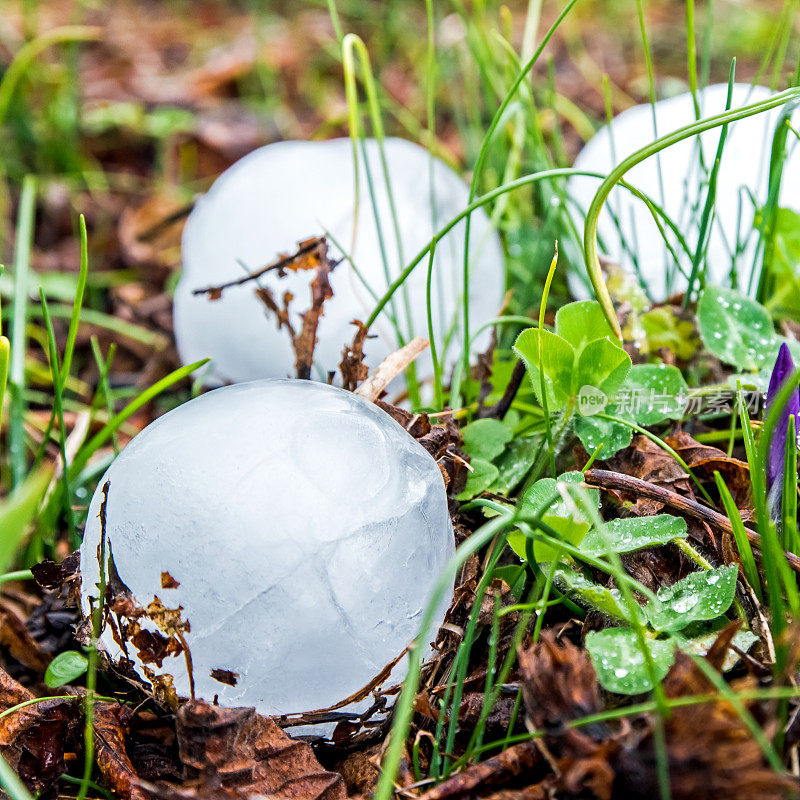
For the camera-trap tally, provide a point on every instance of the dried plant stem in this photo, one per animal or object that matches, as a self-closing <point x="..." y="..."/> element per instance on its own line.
<point x="605" y="479"/>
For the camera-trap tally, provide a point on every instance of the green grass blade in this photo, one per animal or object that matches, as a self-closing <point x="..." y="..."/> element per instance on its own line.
<point x="19" y="511"/>
<point x="58" y="412"/>
<point x="404" y="708"/>
<point x="31" y="50"/>
<point x="483" y="153"/>
<point x="711" y="196"/>
<point x="104" y="387"/>
<point x="592" y="217"/>
<point x="11" y="784"/>
<point x="72" y="333"/>
<point x="740" y="536"/>
<point x="485" y="199"/>
<point x="547" y="424"/>
<point x="18" y="339"/>
<point x="5" y="352"/>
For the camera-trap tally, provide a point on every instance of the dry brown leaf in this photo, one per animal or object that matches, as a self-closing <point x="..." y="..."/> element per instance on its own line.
<point x="519" y="760"/>
<point x="16" y="637"/>
<point x="150" y="235"/>
<point x="34" y="739"/>
<point x="558" y="683"/>
<point x="251" y="754"/>
<point x="352" y="365"/>
<point x="647" y="461"/>
<point x="704" y="461"/>
<point x="110" y="727"/>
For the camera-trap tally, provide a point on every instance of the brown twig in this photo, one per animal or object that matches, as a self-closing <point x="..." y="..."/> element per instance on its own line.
<point x="606" y="479"/>
<point x="500" y="409"/>
<point x="283" y="262"/>
<point x="166" y="222"/>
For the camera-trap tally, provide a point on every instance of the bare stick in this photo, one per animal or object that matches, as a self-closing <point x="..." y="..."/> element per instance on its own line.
<point x="390" y="368"/>
<point x="281" y="263"/>
<point x="605" y="479"/>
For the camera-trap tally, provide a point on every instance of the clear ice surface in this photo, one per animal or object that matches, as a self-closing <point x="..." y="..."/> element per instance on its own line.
<point x="289" y="191"/>
<point x="305" y="527"/>
<point x="744" y="166"/>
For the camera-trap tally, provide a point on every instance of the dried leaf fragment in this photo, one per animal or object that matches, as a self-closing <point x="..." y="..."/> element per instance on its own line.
<point x="225" y="676"/>
<point x="249" y="753"/>
<point x="34" y="739"/>
<point x="168" y="582"/>
<point x="110" y="724"/>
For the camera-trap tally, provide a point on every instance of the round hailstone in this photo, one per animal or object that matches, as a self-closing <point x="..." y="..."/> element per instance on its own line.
<point x="286" y="192"/>
<point x="743" y="174"/>
<point x="298" y="528"/>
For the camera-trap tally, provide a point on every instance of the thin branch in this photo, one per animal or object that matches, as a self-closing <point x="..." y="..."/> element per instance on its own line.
<point x="281" y="264"/>
<point x="500" y="409"/>
<point x="605" y="479"/>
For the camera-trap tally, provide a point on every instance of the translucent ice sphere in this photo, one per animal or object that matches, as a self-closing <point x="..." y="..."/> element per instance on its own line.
<point x="297" y="527"/>
<point x="676" y="181"/>
<point x="290" y="191"/>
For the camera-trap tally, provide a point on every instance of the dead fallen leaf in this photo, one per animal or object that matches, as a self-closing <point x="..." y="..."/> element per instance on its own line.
<point x="50" y="575"/>
<point x="311" y="255"/>
<point x="647" y="461"/>
<point x="150" y="235"/>
<point x="558" y="683"/>
<point x="35" y="738"/>
<point x="168" y="582"/>
<point x="360" y="772"/>
<point x="251" y="754"/>
<point x="110" y="727"/>
<point x="17" y="638"/>
<point x="352" y="366"/>
<point x="225" y="676"/>
<point x="516" y="761"/>
<point x="704" y="461"/>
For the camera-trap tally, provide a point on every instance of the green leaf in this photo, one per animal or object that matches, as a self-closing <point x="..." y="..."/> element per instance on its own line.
<point x="634" y="533"/>
<point x="652" y="393"/>
<point x="485" y="438"/>
<point x="785" y="266"/>
<point x="663" y="329"/>
<point x="5" y="350"/>
<point x="18" y="511"/>
<point x="64" y="668"/>
<point x="703" y="595"/>
<point x="601" y="365"/>
<point x="481" y="477"/>
<point x="734" y="328"/>
<point x="620" y="664"/>
<point x="593" y="431"/>
<point x="514" y="576"/>
<point x="558" y="365"/>
<point x="569" y="523"/>
<point x="583" y="322"/>
<point x="609" y="601"/>
<point x="543" y="491"/>
<point x="515" y="463"/>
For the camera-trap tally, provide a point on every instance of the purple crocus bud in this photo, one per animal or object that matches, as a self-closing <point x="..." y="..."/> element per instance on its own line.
<point x="781" y="372"/>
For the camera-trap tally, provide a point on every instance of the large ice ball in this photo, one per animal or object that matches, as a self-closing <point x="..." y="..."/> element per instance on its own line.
<point x="289" y="191"/>
<point x="677" y="181"/>
<point x="298" y="528"/>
